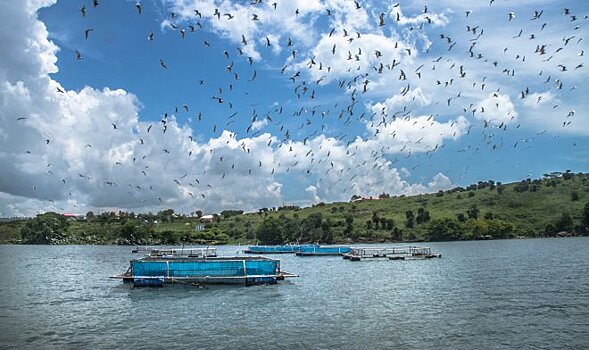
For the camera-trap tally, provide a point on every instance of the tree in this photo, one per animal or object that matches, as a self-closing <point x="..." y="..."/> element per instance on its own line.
<point x="461" y="217"/>
<point x="230" y="213"/>
<point x="310" y="227"/>
<point x="133" y="232"/>
<point x="522" y="186"/>
<point x="480" y="228"/>
<point x="375" y="219"/>
<point x="585" y="217"/>
<point x="422" y="216"/>
<point x="444" y="230"/>
<point x="89" y="215"/>
<point x="349" y="225"/>
<point x="271" y="231"/>
<point x="45" y="228"/>
<point x="473" y="212"/>
<point x="564" y="223"/>
<point x="327" y="236"/>
<point x="574" y="196"/>
<point x="396" y="234"/>
<point x="410" y="219"/>
<point x="383" y="223"/>
<point x="166" y="215"/>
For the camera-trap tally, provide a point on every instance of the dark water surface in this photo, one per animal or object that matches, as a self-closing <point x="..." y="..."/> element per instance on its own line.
<point x="506" y="294"/>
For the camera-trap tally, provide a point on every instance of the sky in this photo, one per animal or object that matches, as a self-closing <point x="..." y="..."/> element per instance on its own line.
<point x="212" y="105"/>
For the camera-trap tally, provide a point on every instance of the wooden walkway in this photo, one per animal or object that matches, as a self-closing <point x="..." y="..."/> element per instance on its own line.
<point x="391" y="253"/>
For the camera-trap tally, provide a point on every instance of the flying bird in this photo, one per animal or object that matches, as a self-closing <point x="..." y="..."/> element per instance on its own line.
<point x="381" y="20"/>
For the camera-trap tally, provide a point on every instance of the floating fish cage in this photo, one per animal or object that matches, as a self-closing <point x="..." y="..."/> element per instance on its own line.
<point x="391" y="253"/>
<point x="312" y="249"/>
<point x="156" y="271"/>
<point x="272" y="249"/>
<point x="207" y="252"/>
<point x="192" y="252"/>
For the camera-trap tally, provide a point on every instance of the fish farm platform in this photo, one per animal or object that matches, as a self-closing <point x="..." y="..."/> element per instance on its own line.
<point x="194" y="252"/>
<point x="391" y="253"/>
<point x="314" y="250"/>
<point x="156" y="271"/>
<point x="272" y="249"/>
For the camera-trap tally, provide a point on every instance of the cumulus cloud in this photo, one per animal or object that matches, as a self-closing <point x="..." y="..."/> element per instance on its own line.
<point x="69" y="150"/>
<point x="537" y="99"/>
<point x="496" y="109"/>
<point x="237" y="22"/>
<point x="439" y="182"/>
<point x="77" y="150"/>
<point x="411" y="98"/>
<point x="312" y="191"/>
<point x="90" y="148"/>
<point x="259" y="124"/>
<point x="435" y="19"/>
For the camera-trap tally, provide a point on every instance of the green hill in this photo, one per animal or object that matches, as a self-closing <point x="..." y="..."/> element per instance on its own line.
<point x="555" y="204"/>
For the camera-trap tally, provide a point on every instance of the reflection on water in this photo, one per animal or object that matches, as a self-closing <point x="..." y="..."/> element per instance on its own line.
<point x="488" y="294"/>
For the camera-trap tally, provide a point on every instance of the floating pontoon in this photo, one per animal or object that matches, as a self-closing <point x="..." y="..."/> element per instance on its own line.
<point x="391" y="253"/>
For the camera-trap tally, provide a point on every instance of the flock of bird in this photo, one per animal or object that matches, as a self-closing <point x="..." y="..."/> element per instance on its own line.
<point x="300" y="122"/>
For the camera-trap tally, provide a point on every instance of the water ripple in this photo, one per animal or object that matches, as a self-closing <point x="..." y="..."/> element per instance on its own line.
<point x="489" y="295"/>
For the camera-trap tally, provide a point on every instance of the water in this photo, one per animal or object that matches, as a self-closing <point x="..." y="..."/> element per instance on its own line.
<point x="489" y="295"/>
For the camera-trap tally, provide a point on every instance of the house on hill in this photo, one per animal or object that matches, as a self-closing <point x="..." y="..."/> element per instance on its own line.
<point x="208" y="218"/>
<point x="74" y="216"/>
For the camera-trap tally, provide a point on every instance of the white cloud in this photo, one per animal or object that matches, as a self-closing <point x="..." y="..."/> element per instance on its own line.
<point x="496" y="109"/>
<point x="312" y="191"/>
<point x="80" y="150"/>
<point x="66" y="153"/>
<point x="259" y="124"/>
<point x="425" y="18"/>
<point x="239" y="21"/>
<point x="439" y="182"/>
<point x="414" y="97"/>
<point x="537" y="99"/>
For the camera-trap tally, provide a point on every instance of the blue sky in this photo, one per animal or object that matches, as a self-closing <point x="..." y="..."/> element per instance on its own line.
<point x="429" y="100"/>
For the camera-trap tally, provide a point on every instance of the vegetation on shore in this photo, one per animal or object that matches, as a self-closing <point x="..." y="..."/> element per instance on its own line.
<point x="557" y="204"/>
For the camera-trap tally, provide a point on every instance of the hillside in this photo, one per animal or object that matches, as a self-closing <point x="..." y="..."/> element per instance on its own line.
<point x="552" y="205"/>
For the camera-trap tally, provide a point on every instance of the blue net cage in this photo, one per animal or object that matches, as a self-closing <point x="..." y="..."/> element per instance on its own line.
<point x="273" y="248"/>
<point x="204" y="268"/>
<point x="325" y="250"/>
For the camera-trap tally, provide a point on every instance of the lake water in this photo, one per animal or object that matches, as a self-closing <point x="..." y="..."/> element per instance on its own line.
<point x="503" y="294"/>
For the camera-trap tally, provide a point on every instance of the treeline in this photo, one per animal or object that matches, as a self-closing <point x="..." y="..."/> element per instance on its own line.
<point x="315" y="229"/>
<point x="54" y="228"/>
<point x="464" y="226"/>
